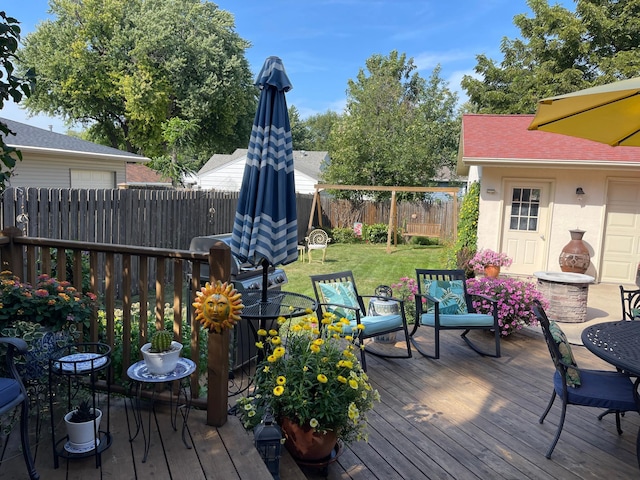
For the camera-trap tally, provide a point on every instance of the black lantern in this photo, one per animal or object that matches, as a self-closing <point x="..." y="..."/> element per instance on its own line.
<point x="268" y="439"/>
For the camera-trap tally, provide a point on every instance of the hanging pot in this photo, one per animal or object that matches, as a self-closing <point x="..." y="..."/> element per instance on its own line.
<point x="575" y="256"/>
<point x="305" y="443"/>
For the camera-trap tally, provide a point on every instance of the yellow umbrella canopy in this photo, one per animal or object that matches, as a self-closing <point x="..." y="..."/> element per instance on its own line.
<point x="607" y="114"/>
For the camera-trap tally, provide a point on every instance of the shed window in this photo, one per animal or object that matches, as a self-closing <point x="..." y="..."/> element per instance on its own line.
<point x="525" y="208"/>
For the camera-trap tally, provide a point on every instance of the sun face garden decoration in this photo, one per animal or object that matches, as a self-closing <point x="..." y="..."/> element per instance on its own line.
<point x="218" y="306"/>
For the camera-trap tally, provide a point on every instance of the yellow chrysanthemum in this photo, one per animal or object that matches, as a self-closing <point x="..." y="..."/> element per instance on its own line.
<point x="281" y="380"/>
<point x="353" y="384"/>
<point x="296" y="328"/>
<point x="361" y="326"/>
<point x="314" y="348"/>
<point x="281" y="320"/>
<point x="341" y="379"/>
<point x="279" y="390"/>
<point x="262" y="332"/>
<point x="279" y="352"/>
<point x="260" y="345"/>
<point x="276" y="340"/>
<point x="318" y="341"/>
<point x="273" y="332"/>
<point x="322" y="378"/>
<point x="272" y="358"/>
<point x="313" y="423"/>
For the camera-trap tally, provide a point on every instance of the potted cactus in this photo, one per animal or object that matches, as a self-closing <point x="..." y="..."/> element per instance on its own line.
<point x="83" y="424"/>
<point x="162" y="353"/>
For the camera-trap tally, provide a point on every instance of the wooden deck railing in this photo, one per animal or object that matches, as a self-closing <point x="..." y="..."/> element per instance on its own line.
<point x="29" y="257"/>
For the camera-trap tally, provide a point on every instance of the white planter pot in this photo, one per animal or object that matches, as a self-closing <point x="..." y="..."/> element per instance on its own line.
<point x="83" y="435"/>
<point x="161" y="363"/>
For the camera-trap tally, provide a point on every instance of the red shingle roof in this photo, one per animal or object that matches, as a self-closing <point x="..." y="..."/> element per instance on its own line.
<point x="138" y="173"/>
<point x="507" y="137"/>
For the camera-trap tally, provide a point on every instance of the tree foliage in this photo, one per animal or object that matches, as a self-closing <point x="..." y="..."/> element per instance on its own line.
<point x="398" y="128"/>
<point x="123" y="68"/>
<point x="560" y="51"/>
<point x="11" y="86"/>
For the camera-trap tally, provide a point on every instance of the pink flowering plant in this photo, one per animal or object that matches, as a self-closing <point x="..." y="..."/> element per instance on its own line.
<point x="485" y="257"/>
<point x="406" y="290"/>
<point x="50" y="302"/>
<point x="515" y="301"/>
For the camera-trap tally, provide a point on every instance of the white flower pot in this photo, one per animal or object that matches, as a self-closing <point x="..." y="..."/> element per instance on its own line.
<point x="83" y="435"/>
<point x="161" y="363"/>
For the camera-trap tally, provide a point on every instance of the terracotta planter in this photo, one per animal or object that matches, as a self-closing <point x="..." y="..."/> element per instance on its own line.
<point x="575" y="256"/>
<point x="491" y="271"/>
<point x="304" y="443"/>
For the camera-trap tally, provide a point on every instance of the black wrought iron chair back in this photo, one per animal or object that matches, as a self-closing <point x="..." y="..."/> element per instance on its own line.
<point x="451" y="309"/>
<point x="13" y="393"/>
<point x="337" y="293"/>
<point x="630" y="299"/>
<point x="610" y="390"/>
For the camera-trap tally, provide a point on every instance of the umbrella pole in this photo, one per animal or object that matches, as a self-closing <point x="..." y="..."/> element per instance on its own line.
<point x="265" y="279"/>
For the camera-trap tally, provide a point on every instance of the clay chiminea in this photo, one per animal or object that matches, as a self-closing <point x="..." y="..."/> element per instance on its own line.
<point x="575" y="256"/>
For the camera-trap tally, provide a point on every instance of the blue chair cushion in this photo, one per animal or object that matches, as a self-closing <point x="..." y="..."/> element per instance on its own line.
<point x="376" y="324"/>
<point x="464" y="320"/>
<point x="9" y="391"/>
<point x="341" y="293"/>
<point x="573" y="377"/>
<point x="450" y="294"/>
<point x="600" y="389"/>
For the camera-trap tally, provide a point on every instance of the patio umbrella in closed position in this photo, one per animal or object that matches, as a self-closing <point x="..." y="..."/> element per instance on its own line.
<point x="607" y="113"/>
<point x="265" y="229"/>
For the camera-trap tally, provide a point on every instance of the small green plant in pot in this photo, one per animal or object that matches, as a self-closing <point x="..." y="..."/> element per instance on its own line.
<point x="162" y="353"/>
<point x="83" y="424"/>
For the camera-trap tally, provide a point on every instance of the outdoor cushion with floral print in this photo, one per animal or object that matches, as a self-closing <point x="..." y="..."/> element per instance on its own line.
<point x="573" y="377"/>
<point x="450" y="294"/>
<point x="341" y="293"/>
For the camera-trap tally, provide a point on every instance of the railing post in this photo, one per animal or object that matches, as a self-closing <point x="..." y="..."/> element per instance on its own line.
<point x="218" y="345"/>
<point x="11" y="255"/>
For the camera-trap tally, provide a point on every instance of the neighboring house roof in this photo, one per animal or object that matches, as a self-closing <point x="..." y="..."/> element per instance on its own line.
<point x="306" y="162"/>
<point x="141" y="174"/>
<point x="504" y="139"/>
<point x="34" y="139"/>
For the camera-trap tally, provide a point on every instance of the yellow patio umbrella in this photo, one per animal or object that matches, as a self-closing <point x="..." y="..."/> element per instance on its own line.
<point x="607" y="114"/>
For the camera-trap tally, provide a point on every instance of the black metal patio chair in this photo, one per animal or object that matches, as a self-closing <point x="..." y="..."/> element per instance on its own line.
<point x="337" y="293"/>
<point x="630" y="299"/>
<point x="613" y="391"/>
<point x="443" y="303"/>
<point x="13" y="393"/>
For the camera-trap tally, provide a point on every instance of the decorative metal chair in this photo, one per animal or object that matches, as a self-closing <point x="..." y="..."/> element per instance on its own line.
<point x="13" y="393"/>
<point x="337" y="293"/>
<point x="630" y="303"/>
<point x="317" y="240"/>
<point x="443" y="303"/>
<point x="613" y="391"/>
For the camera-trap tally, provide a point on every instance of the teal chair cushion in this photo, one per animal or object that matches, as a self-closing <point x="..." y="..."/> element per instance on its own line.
<point x="341" y="293"/>
<point x="573" y="376"/>
<point x="455" y="320"/>
<point x="375" y="324"/>
<point x="450" y="293"/>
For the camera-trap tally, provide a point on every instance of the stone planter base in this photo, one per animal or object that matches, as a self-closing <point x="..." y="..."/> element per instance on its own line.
<point x="567" y="294"/>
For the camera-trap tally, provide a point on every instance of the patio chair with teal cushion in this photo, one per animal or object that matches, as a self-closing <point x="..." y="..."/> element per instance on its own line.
<point x="443" y="303"/>
<point x="337" y="293"/>
<point x="630" y="303"/>
<point x="610" y="390"/>
<point x="13" y="393"/>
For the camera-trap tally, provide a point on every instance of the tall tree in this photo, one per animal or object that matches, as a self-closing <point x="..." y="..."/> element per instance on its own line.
<point x="124" y="67"/>
<point x="398" y="129"/>
<point x="319" y="127"/>
<point x="560" y="51"/>
<point x="11" y="86"/>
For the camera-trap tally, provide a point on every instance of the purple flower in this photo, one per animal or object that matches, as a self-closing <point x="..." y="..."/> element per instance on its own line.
<point x="482" y="258"/>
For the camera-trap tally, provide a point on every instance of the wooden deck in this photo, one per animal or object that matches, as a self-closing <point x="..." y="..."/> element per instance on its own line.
<point x="461" y="417"/>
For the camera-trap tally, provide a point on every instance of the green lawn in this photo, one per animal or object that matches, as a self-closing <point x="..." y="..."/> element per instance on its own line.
<point x="370" y="263"/>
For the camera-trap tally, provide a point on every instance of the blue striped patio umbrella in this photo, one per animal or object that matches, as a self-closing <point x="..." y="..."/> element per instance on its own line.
<point x="265" y="229"/>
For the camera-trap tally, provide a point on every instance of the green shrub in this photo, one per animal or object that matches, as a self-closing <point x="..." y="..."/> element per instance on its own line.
<point x="377" y="233"/>
<point x="466" y="243"/>
<point x="424" y="241"/>
<point x="343" y="235"/>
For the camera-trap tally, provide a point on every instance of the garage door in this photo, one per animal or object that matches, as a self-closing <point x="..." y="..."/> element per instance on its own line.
<point x="621" y="251"/>
<point x="92" y="179"/>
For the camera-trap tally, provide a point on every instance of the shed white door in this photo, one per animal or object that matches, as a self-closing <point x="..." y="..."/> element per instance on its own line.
<point x="525" y="225"/>
<point x="92" y="179"/>
<point x="621" y="248"/>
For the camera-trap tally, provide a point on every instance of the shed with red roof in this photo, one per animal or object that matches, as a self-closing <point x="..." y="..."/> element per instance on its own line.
<point x="529" y="195"/>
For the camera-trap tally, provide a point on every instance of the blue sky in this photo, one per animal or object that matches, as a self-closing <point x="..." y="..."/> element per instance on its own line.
<point x="324" y="43"/>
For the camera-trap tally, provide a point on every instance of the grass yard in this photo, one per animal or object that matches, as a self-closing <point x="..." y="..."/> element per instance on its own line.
<point x="370" y="263"/>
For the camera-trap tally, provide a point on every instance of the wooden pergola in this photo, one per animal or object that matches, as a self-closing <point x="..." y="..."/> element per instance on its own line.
<point x="391" y="231"/>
